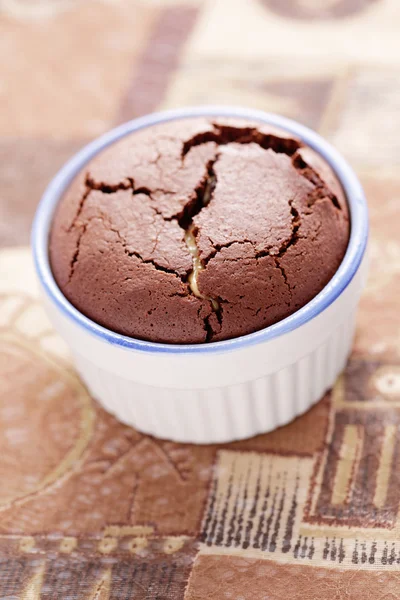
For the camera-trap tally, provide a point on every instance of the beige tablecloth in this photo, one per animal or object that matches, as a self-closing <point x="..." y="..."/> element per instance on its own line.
<point x="90" y="509"/>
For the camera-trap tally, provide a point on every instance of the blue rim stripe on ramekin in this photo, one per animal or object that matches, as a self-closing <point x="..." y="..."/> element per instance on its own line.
<point x="341" y="279"/>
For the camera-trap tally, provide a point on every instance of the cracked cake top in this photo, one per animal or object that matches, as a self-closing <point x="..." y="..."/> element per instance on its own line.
<point x="199" y="230"/>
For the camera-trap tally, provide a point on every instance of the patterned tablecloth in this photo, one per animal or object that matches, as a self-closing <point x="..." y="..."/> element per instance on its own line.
<point x="91" y="509"/>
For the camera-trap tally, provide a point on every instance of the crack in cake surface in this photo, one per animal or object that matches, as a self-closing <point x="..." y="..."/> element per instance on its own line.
<point x="190" y="240"/>
<point x="227" y="134"/>
<point x="204" y="197"/>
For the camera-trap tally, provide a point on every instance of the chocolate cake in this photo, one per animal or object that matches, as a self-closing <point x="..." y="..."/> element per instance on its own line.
<point x="199" y="230"/>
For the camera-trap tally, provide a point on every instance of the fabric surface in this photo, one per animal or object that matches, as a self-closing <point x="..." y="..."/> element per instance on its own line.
<point x="91" y="509"/>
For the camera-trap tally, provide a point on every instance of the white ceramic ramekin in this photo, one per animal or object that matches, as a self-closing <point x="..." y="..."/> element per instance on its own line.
<point x="226" y="390"/>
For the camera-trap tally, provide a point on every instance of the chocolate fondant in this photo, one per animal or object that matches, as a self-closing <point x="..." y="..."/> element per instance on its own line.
<point x="198" y="231"/>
